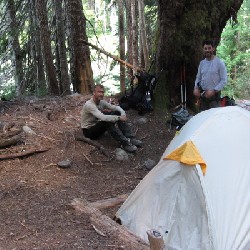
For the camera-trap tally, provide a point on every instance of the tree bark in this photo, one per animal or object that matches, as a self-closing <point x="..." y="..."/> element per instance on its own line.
<point x="13" y="140"/>
<point x="129" y="35"/>
<point x="81" y="71"/>
<point x="111" y="202"/>
<point x="143" y="33"/>
<point x="39" y="79"/>
<point x="17" y="55"/>
<point x="46" y="47"/>
<point x="62" y="60"/>
<point x="134" y="36"/>
<point x="121" y="45"/>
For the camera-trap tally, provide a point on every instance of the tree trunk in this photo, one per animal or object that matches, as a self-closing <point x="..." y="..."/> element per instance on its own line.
<point x="129" y="35"/>
<point x="46" y="47"/>
<point x="182" y="28"/>
<point x="134" y="36"/>
<point x="39" y="79"/>
<point x="17" y="55"/>
<point x="81" y="71"/>
<point x="62" y="58"/>
<point x="121" y="45"/>
<point x="143" y="34"/>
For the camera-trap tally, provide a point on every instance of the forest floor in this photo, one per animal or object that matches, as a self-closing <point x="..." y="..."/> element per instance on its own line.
<point x="36" y="194"/>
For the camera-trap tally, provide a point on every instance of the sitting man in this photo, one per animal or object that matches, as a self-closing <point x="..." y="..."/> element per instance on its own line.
<point x="98" y="116"/>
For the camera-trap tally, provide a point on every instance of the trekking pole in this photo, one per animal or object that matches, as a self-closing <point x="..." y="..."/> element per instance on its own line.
<point x="185" y="86"/>
<point x="181" y="90"/>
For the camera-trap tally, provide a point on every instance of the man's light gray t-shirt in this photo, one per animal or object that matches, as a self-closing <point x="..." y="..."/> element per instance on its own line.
<point x="212" y="75"/>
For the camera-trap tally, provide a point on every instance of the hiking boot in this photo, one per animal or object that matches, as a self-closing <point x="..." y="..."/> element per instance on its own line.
<point x="129" y="147"/>
<point x="136" y="142"/>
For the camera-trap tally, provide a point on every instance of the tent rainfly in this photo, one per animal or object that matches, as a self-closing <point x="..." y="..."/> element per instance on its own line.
<point x="198" y="195"/>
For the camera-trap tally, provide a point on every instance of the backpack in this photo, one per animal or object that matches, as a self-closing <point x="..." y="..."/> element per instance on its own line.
<point x="179" y="119"/>
<point x="140" y="97"/>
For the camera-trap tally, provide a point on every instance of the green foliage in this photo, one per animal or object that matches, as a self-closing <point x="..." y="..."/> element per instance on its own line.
<point x="97" y="21"/>
<point x="234" y="49"/>
<point x="151" y="16"/>
<point x="151" y="25"/>
<point x="8" y="92"/>
<point x="3" y="43"/>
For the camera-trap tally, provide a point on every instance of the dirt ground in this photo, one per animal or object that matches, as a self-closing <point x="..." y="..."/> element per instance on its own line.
<point x="35" y="194"/>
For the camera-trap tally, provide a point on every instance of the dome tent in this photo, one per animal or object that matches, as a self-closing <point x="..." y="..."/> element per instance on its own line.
<point x="198" y="194"/>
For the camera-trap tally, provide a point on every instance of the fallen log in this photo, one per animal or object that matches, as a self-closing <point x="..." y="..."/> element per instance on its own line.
<point x="111" y="202"/>
<point x="109" y="227"/>
<point x="6" y="142"/>
<point x="22" y="154"/>
<point x="96" y="144"/>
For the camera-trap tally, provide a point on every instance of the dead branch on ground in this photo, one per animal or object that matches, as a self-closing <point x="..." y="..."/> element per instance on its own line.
<point x="88" y="159"/>
<point x="22" y="154"/>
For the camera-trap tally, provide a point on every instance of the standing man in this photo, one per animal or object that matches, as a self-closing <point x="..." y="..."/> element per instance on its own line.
<point x="210" y="79"/>
<point x="98" y="116"/>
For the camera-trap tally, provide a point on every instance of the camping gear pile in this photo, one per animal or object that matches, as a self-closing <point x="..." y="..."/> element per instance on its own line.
<point x="197" y="196"/>
<point x="140" y="97"/>
<point x="179" y="118"/>
<point x="181" y="115"/>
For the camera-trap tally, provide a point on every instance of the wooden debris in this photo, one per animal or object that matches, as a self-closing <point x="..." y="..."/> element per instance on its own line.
<point x="80" y="137"/>
<point x="88" y="159"/>
<point x="8" y="126"/>
<point x="110" y="227"/>
<point x="98" y="231"/>
<point x="109" y="54"/>
<point x="6" y="142"/>
<point x="22" y="154"/>
<point x="10" y="133"/>
<point x="47" y="138"/>
<point x="111" y="202"/>
<point x="155" y="239"/>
